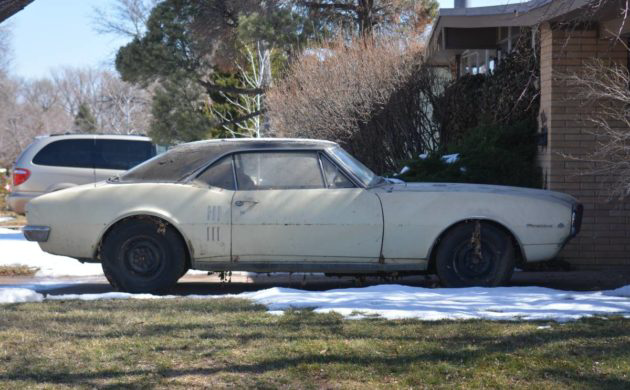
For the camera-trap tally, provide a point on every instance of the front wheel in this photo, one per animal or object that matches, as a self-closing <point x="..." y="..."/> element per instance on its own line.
<point x="475" y="254"/>
<point x="143" y="256"/>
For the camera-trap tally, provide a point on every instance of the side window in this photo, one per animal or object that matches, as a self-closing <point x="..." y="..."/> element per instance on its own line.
<point x="219" y="174"/>
<point x="334" y="177"/>
<point x="278" y="170"/>
<point x="75" y="153"/>
<point x="121" y="154"/>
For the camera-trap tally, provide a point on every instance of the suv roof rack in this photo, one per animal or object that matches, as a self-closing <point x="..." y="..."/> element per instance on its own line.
<point x="68" y="133"/>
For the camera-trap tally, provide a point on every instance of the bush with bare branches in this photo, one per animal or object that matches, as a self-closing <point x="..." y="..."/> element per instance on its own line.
<point x="373" y="97"/>
<point x="605" y="89"/>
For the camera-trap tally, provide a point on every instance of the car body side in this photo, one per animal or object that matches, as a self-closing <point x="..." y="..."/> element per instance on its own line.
<point x="411" y="221"/>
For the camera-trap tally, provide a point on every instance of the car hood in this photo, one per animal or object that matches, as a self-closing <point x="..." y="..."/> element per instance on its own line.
<point x="558" y="197"/>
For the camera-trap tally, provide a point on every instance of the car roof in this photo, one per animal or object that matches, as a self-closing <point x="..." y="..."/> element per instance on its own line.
<point x="186" y="158"/>
<point x="55" y="137"/>
<point x="257" y="143"/>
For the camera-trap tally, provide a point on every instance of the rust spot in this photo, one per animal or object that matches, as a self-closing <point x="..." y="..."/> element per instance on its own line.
<point x="161" y="227"/>
<point x="475" y="240"/>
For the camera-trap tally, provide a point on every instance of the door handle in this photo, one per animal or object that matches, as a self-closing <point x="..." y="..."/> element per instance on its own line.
<point x="239" y="203"/>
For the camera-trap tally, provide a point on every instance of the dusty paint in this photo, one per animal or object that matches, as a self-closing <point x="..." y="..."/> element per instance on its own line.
<point x="390" y="225"/>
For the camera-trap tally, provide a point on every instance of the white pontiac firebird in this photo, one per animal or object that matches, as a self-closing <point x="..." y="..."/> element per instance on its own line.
<point x="295" y="205"/>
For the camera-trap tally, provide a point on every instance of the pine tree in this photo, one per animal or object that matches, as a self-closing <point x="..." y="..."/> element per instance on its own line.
<point x="84" y="121"/>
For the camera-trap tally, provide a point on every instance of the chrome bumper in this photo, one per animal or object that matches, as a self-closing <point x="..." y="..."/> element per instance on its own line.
<point x="36" y="233"/>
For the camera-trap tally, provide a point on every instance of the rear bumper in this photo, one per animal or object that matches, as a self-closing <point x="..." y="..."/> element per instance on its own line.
<point x="17" y="200"/>
<point x="36" y="233"/>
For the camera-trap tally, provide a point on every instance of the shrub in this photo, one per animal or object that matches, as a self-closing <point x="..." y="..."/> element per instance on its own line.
<point x="373" y="97"/>
<point x="488" y="154"/>
<point x="509" y="95"/>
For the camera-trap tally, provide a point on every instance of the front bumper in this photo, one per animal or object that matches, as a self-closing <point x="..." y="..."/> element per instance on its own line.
<point x="576" y="219"/>
<point x="36" y="233"/>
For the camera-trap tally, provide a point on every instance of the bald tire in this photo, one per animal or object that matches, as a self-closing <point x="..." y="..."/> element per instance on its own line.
<point x="457" y="266"/>
<point x="143" y="256"/>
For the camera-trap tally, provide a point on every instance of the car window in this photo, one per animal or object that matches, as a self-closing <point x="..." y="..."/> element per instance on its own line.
<point x="220" y="174"/>
<point x="359" y="170"/>
<point x="67" y="153"/>
<point x="278" y="170"/>
<point x="335" y="178"/>
<point x="121" y="154"/>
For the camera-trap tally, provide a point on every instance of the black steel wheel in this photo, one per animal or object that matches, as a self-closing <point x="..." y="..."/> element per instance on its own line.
<point x="475" y="253"/>
<point x="143" y="256"/>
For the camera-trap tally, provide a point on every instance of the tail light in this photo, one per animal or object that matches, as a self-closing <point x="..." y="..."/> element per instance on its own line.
<point x="20" y="175"/>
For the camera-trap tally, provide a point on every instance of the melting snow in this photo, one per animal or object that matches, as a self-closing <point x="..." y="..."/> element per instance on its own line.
<point x="387" y="301"/>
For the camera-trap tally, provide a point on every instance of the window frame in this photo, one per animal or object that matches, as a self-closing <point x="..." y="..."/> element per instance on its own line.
<point x="321" y="153"/>
<point x="330" y="160"/>
<point x="213" y="164"/>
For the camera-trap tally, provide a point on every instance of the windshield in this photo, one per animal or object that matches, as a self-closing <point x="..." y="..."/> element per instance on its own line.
<point x="360" y="171"/>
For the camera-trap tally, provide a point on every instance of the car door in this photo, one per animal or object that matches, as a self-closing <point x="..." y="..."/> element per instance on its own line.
<point x="285" y="209"/>
<point x="213" y="215"/>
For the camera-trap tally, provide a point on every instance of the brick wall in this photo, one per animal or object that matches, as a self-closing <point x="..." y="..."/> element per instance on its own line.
<point x="605" y="237"/>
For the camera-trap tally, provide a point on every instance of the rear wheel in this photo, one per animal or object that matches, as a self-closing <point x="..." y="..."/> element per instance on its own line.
<point x="143" y="256"/>
<point x="475" y="254"/>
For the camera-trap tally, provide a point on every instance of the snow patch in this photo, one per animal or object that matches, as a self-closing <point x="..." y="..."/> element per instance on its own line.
<point x="19" y="295"/>
<point x="399" y="302"/>
<point x="6" y="219"/>
<point x="404" y="302"/>
<point x="620" y="292"/>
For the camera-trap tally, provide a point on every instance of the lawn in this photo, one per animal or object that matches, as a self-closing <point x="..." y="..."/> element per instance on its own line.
<point x="233" y="343"/>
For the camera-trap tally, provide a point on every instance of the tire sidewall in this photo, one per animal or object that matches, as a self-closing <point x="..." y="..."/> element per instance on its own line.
<point x="501" y="268"/>
<point x="170" y="247"/>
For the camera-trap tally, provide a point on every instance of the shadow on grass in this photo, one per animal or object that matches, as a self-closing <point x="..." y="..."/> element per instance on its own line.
<point x="391" y="364"/>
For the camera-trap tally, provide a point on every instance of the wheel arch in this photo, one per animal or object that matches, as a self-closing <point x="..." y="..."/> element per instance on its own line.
<point x="516" y="243"/>
<point x="155" y="217"/>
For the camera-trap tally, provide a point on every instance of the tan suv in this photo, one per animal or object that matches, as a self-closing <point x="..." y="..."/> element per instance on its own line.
<point x="56" y="162"/>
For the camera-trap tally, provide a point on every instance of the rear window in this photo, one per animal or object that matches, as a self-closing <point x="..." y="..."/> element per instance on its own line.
<point x="90" y="153"/>
<point x="171" y="166"/>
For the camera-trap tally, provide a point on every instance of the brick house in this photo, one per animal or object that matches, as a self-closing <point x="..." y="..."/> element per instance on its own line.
<point x="566" y="33"/>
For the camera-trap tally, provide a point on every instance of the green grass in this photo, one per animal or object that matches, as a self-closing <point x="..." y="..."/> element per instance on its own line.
<point x="186" y="343"/>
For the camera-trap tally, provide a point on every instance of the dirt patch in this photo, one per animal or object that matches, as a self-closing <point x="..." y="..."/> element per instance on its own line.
<point x="17" y="270"/>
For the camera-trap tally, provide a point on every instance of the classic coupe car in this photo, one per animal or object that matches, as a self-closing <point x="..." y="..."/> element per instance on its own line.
<point x="295" y="205"/>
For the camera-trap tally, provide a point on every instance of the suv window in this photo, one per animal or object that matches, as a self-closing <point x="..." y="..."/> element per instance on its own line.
<point x="121" y="154"/>
<point x="278" y="170"/>
<point x="219" y="174"/>
<point x="90" y="153"/>
<point x="66" y="153"/>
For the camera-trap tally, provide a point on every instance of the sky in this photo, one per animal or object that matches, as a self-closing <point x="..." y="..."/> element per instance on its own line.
<point x="51" y="34"/>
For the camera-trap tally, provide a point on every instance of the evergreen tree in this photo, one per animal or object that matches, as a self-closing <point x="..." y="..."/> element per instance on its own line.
<point x="84" y="121"/>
